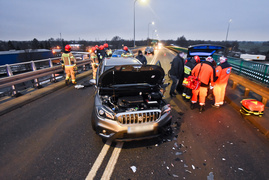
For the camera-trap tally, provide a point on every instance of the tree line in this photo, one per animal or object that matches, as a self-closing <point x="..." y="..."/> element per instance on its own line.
<point x="117" y="42"/>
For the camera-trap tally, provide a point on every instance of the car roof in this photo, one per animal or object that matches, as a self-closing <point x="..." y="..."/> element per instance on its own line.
<point x="115" y="61"/>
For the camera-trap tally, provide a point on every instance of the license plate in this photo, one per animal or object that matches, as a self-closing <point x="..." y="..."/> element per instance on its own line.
<point x="138" y="129"/>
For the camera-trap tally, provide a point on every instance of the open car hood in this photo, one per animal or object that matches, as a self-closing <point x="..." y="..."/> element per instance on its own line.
<point x="132" y="74"/>
<point x="204" y="50"/>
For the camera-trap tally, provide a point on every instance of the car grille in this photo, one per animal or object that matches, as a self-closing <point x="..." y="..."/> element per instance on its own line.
<point x="138" y="117"/>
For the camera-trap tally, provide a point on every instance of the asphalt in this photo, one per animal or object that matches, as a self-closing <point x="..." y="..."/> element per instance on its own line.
<point x="233" y="97"/>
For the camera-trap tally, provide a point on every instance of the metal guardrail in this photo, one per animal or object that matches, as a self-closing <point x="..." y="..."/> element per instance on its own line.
<point x="177" y="48"/>
<point x="14" y="74"/>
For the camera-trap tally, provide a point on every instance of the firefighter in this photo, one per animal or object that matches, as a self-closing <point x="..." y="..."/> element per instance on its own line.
<point x="177" y="72"/>
<point x="223" y="72"/>
<point x="95" y="62"/>
<point x="188" y="67"/>
<point x="107" y="50"/>
<point x="141" y="57"/>
<point x="206" y="74"/>
<point x="69" y="63"/>
<point x="126" y="52"/>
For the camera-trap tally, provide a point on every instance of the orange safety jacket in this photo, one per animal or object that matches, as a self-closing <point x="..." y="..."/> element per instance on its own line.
<point x="68" y="59"/>
<point x="223" y="72"/>
<point x="207" y="73"/>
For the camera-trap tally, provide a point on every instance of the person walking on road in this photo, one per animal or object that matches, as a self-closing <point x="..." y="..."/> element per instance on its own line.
<point x="69" y="64"/>
<point x="141" y="57"/>
<point x="188" y="67"/>
<point x="223" y="72"/>
<point x="206" y="74"/>
<point x="177" y="72"/>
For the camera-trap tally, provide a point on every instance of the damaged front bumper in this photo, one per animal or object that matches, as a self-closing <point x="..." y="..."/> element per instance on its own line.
<point x="124" y="130"/>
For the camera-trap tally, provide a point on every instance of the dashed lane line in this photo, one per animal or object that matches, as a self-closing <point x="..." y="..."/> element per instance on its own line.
<point x="154" y="58"/>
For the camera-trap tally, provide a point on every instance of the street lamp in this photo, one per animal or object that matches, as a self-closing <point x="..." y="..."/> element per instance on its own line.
<point x="228" y="29"/>
<point x="134" y="18"/>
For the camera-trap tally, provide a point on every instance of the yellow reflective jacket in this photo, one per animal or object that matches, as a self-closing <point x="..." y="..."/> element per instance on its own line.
<point x="68" y="59"/>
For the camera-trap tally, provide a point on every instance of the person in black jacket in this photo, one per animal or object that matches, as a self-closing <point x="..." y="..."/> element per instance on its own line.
<point x="141" y="58"/>
<point x="177" y="72"/>
<point x="101" y="53"/>
<point x="189" y="65"/>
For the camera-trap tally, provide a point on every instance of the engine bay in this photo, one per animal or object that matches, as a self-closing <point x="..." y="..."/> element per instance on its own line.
<point x="138" y="102"/>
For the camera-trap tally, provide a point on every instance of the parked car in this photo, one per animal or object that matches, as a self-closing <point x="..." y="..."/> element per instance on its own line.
<point x="149" y="50"/>
<point x="129" y="103"/>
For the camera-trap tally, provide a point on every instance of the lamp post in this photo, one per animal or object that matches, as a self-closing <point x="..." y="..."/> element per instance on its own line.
<point x="228" y="29"/>
<point x="134" y="18"/>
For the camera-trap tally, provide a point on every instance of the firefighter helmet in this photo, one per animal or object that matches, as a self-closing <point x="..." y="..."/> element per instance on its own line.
<point x="101" y="47"/>
<point x="93" y="49"/>
<point x="125" y="48"/>
<point x="105" y="45"/>
<point x="96" y="46"/>
<point x="197" y="59"/>
<point x="67" y="47"/>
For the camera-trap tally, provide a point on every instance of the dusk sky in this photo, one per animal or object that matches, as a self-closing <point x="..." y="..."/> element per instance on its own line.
<point x="104" y="19"/>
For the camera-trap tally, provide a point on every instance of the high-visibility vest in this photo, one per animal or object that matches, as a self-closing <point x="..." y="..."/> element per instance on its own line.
<point x="68" y="58"/>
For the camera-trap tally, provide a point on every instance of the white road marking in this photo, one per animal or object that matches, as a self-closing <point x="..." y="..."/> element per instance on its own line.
<point x="112" y="162"/>
<point x="98" y="161"/>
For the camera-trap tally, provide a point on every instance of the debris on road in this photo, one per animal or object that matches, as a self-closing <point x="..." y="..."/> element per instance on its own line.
<point x="133" y="169"/>
<point x="79" y="86"/>
<point x="240" y="169"/>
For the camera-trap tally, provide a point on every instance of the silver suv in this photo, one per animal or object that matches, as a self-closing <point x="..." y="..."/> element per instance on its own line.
<point x="129" y="103"/>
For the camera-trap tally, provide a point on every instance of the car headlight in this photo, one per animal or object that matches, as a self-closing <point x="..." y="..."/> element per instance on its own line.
<point x="104" y="112"/>
<point x="166" y="109"/>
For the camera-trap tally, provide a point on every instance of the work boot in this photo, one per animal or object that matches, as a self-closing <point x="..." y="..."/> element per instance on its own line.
<point x="202" y="108"/>
<point x="192" y="105"/>
<point x="74" y="82"/>
<point x="215" y="106"/>
<point x="67" y="82"/>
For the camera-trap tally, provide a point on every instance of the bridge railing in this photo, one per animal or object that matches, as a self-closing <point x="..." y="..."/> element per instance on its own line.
<point x="36" y="71"/>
